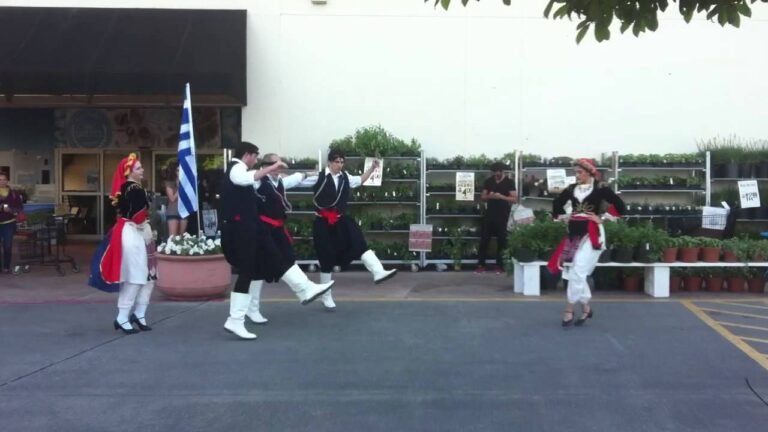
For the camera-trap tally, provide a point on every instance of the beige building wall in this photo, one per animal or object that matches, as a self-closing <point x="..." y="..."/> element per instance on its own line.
<point x="487" y="78"/>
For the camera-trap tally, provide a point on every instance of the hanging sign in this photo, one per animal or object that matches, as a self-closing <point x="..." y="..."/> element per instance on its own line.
<point x="465" y="186"/>
<point x="750" y="196"/>
<point x="556" y="180"/>
<point x="420" y="238"/>
<point x="376" y="175"/>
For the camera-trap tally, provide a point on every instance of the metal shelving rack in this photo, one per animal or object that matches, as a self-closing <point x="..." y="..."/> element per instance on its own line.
<point x="427" y="218"/>
<point x="705" y="169"/>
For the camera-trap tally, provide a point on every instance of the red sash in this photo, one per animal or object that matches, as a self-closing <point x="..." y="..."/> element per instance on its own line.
<point x="113" y="256"/>
<point x="593" y="232"/>
<point x="277" y="223"/>
<point x="331" y="215"/>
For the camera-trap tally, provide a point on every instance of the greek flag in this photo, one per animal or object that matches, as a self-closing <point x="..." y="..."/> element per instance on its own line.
<point x="187" y="163"/>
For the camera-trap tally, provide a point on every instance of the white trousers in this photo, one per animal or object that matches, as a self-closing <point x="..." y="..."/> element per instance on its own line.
<point x="584" y="262"/>
<point x="134" y="268"/>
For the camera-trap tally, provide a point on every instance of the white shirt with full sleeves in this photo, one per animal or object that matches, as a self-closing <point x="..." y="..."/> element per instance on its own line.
<point x="240" y="175"/>
<point x="354" y="181"/>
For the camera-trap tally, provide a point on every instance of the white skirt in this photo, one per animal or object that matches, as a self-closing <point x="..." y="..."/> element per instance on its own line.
<point x="134" y="267"/>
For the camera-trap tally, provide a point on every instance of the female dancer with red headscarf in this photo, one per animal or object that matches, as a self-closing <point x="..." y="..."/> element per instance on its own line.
<point x="125" y="262"/>
<point x="591" y="204"/>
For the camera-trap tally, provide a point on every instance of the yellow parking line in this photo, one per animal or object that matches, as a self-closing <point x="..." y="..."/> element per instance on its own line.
<point x="736" y="304"/>
<point x="751" y="339"/>
<point x="760" y="358"/>
<point x="742" y="326"/>
<point x="746" y="315"/>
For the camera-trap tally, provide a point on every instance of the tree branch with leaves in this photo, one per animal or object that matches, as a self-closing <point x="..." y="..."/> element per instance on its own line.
<point x="640" y="15"/>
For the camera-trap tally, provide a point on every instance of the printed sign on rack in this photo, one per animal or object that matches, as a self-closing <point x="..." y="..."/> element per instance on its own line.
<point x="377" y="175"/>
<point x="714" y="218"/>
<point x="750" y="196"/>
<point x="420" y="238"/>
<point x="556" y="180"/>
<point x="465" y="186"/>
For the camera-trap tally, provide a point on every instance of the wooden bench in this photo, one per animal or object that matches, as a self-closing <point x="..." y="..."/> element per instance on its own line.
<point x="527" y="275"/>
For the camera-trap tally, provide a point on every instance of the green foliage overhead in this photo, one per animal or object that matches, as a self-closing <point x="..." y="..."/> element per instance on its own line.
<point x="640" y="15"/>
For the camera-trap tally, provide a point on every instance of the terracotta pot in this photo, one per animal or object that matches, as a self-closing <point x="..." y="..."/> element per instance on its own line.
<point x="756" y="285"/>
<point x="714" y="283"/>
<point x="736" y="284"/>
<point x="689" y="254"/>
<point x="674" y="283"/>
<point x="710" y="254"/>
<point x="193" y="278"/>
<point x="729" y="256"/>
<point x="669" y="255"/>
<point x="692" y="283"/>
<point x="632" y="283"/>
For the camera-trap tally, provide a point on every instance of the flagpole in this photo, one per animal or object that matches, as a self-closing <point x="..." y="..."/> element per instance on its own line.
<point x="200" y="228"/>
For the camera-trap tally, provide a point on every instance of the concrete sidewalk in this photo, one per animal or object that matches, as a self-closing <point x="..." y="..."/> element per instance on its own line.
<point x="44" y="285"/>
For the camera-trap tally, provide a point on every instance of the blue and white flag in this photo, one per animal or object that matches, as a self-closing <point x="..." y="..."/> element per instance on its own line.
<point x="187" y="162"/>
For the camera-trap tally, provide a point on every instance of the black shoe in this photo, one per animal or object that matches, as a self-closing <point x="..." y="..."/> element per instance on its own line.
<point x="584" y="319"/>
<point x="126" y="331"/>
<point x="567" y="323"/>
<point x="142" y="327"/>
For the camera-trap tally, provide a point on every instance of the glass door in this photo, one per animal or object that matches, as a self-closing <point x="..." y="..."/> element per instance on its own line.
<point x="80" y="189"/>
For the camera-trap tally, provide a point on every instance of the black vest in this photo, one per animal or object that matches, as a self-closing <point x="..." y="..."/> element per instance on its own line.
<point x="237" y="200"/>
<point x="326" y="193"/>
<point x="274" y="202"/>
<point x="133" y="198"/>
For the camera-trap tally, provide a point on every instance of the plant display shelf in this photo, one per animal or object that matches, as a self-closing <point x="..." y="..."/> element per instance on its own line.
<point x="649" y="168"/>
<point x="448" y="193"/>
<point x="417" y="203"/>
<point x="724" y="179"/>
<point x="358" y="262"/>
<point x="450" y="261"/>
<point x="429" y="171"/>
<point x="466" y="215"/>
<point x="450" y="238"/>
<point x="662" y="190"/>
<point x="356" y="157"/>
<point x="566" y="167"/>
<point x="527" y="275"/>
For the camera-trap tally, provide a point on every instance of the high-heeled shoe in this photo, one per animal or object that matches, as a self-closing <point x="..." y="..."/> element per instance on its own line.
<point x="583" y="319"/>
<point x="143" y="327"/>
<point x="125" y="330"/>
<point x="566" y="323"/>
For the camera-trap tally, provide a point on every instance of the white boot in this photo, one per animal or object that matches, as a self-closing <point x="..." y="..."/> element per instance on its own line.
<point x="253" y="310"/>
<point x="374" y="266"/>
<point x="142" y="302"/>
<point x="125" y="301"/>
<point x="306" y="290"/>
<point x="238" y="305"/>
<point x="327" y="298"/>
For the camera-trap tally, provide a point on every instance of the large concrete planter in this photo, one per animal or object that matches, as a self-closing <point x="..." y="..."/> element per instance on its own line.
<point x="193" y="278"/>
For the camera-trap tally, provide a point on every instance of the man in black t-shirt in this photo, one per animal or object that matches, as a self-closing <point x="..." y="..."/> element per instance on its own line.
<point x="499" y="193"/>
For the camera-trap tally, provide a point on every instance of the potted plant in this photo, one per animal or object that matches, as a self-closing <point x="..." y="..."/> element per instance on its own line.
<point x="756" y="281"/>
<point x="651" y="242"/>
<point x="689" y="249"/>
<point x="758" y="250"/>
<point x="522" y="246"/>
<point x="692" y="279"/>
<point x="457" y="247"/>
<point x="676" y="279"/>
<point x="736" y="277"/>
<point x="623" y="240"/>
<point x="713" y="279"/>
<point x="710" y="249"/>
<point x="192" y="268"/>
<point x="737" y="249"/>
<point x="671" y="247"/>
<point x="631" y="279"/>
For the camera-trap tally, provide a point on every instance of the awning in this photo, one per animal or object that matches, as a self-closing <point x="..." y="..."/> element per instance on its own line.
<point x="76" y="56"/>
